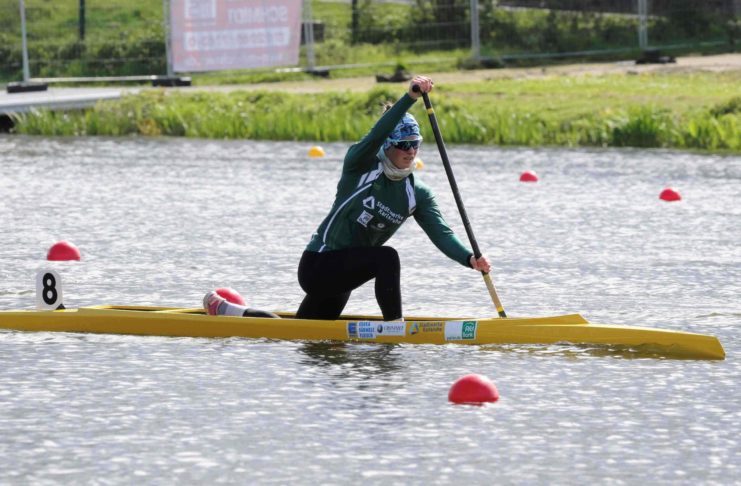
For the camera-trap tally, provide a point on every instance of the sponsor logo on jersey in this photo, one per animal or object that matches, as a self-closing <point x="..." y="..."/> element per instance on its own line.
<point x="386" y="212"/>
<point x="365" y="218"/>
<point x="369" y="202"/>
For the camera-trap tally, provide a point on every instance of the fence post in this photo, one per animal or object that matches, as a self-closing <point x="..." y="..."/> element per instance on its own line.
<point x="309" y="36"/>
<point x="643" y="24"/>
<point x="475" y="32"/>
<point x="24" y="45"/>
<point x="81" y="20"/>
<point x="26" y="84"/>
<point x="168" y="36"/>
<point x="354" y="20"/>
<point x="170" y="79"/>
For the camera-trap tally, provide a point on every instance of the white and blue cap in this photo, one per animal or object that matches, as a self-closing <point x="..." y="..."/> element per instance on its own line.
<point x="406" y="129"/>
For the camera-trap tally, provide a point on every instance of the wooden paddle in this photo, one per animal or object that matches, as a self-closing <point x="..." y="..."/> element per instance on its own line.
<point x="459" y="201"/>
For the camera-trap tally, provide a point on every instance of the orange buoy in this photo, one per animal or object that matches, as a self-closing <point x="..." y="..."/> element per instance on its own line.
<point x="63" y="251"/>
<point x="529" y="176"/>
<point x="418" y="164"/>
<point x="670" y="194"/>
<point x="473" y="389"/>
<point x="231" y="295"/>
<point x="316" y="151"/>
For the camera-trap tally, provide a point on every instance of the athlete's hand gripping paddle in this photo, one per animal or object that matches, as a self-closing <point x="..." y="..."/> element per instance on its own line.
<point x="458" y="200"/>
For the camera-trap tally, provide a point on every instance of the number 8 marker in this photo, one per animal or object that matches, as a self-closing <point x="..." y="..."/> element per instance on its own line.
<point x="48" y="290"/>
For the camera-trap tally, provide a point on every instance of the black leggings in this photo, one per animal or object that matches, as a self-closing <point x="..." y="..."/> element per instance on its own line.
<point x="329" y="278"/>
<point x="250" y="312"/>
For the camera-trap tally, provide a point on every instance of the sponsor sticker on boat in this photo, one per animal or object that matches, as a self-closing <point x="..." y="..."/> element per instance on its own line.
<point x="460" y="330"/>
<point x="425" y="326"/>
<point x="374" y="329"/>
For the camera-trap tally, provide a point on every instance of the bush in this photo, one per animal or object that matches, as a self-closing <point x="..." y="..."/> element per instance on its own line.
<point x="643" y="127"/>
<point x="727" y="107"/>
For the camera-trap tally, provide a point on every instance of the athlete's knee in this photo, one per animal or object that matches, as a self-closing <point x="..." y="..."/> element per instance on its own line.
<point x="389" y="255"/>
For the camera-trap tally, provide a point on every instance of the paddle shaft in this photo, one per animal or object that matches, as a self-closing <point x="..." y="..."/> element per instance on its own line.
<point x="459" y="201"/>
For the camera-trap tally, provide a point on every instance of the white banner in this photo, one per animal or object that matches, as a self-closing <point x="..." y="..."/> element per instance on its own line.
<point x="212" y="35"/>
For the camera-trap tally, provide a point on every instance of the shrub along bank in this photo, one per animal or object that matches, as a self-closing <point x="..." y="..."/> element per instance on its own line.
<point x="695" y="111"/>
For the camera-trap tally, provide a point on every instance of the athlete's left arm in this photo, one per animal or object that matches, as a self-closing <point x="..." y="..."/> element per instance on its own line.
<point x="429" y="217"/>
<point x="361" y="156"/>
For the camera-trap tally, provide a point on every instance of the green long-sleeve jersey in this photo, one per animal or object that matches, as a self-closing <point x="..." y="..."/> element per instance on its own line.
<point x="369" y="207"/>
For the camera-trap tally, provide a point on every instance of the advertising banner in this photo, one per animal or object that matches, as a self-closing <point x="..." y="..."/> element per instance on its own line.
<point x="213" y="35"/>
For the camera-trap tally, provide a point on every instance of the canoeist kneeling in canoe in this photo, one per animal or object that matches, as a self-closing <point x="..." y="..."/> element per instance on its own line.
<point x="376" y="193"/>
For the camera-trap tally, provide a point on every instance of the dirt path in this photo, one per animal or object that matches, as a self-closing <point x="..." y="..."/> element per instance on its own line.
<point x="723" y="62"/>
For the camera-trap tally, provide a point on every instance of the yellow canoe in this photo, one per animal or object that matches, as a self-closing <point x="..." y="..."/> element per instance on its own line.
<point x="166" y="321"/>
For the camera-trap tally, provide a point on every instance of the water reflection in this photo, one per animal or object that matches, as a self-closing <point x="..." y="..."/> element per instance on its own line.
<point x="352" y="359"/>
<point x="592" y="237"/>
<point x="579" y="351"/>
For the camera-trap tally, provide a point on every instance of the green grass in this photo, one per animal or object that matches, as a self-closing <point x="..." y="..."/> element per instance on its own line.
<point x="55" y="21"/>
<point x="695" y="111"/>
<point x="121" y="38"/>
<point x="126" y="37"/>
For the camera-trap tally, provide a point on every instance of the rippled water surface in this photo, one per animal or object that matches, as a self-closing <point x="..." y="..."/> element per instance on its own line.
<point x="163" y="221"/>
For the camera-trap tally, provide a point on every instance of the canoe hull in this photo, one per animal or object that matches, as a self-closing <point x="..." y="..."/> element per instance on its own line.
<point x="163" y="321"/>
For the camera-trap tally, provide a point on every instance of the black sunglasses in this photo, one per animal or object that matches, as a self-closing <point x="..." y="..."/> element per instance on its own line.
<point x="406" y="144"/>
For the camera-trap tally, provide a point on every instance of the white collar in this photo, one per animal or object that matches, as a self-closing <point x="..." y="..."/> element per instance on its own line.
<point x="391" y="171"/>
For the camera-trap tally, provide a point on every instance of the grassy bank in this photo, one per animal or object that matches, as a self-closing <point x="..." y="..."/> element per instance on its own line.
<point x="696" y="111"/>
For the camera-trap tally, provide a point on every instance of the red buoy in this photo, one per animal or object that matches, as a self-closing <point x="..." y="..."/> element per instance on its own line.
<point x="231" y="295"/>
<point x="529" y="176"/>
<point x="63" y="251"/>
<point x="473" y="389"/>
<point x="670" y="194"/>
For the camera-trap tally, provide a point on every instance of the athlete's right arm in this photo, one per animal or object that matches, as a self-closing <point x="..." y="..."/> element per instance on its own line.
<point x="360" y="157"/>
<point x="430" y="219"/>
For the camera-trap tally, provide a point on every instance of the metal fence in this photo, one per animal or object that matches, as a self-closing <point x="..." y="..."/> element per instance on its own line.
<point x="69" y="38"/>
